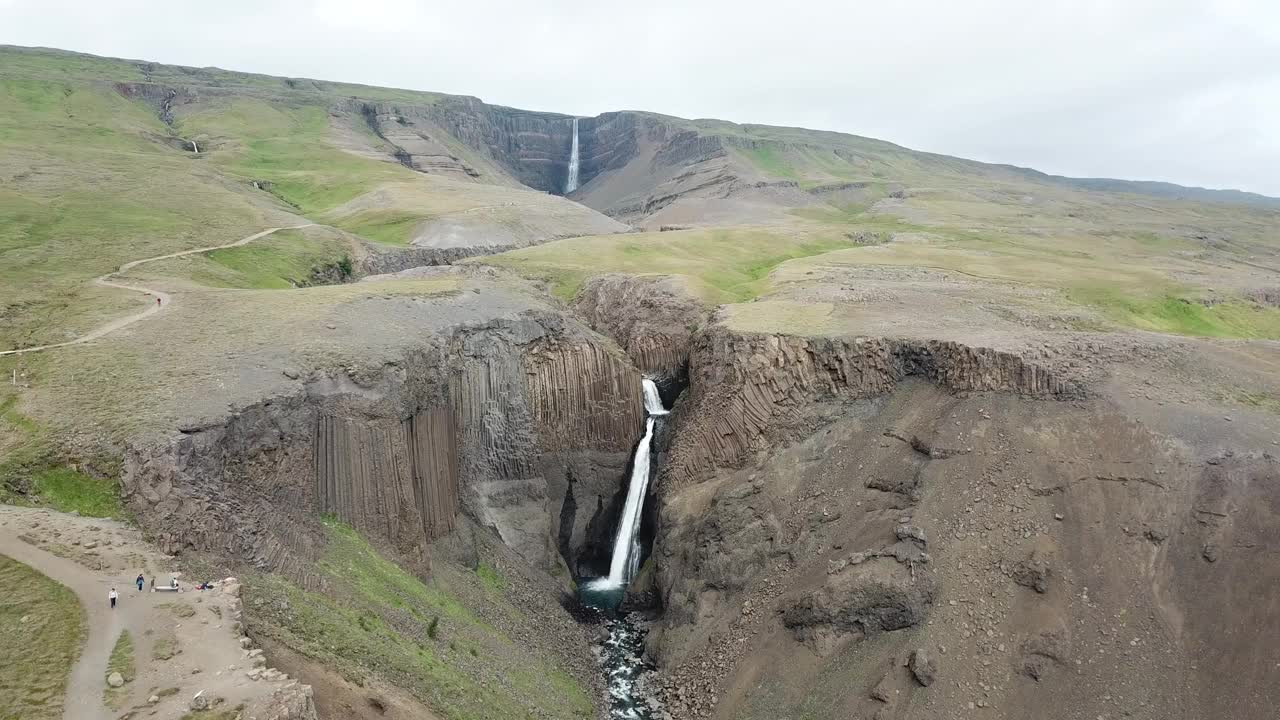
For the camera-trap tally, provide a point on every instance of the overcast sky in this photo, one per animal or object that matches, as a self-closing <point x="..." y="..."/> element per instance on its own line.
<point x="1174" y="90"/>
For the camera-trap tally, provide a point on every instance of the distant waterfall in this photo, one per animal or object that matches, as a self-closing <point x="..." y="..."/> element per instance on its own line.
<point x="195" y="148"/>
<point x="626" y="546"/>
<point x="572" y="183"/>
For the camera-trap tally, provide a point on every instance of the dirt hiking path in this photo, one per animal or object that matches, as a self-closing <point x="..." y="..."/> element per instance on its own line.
<point x="165" y="298"/>
<point x="183" y="643"/>
<point x="84" y="687"/>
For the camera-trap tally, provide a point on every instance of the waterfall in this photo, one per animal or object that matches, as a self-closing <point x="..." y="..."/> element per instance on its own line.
<point x="626" y="546"/>
<point x="572" y="183"/>
<point x="652" y="401"/>
<point x="195" y="148"/>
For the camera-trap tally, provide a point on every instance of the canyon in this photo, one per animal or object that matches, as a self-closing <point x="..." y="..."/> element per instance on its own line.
<point x="905" y="441"/>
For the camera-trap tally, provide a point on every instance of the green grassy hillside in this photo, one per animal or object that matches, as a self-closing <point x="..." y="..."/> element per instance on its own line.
<point x="97" y="168"/>
<point x="442" y="640"/>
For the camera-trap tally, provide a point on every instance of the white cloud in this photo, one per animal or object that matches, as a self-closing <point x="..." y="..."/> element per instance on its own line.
<point x="1162" y="89"/>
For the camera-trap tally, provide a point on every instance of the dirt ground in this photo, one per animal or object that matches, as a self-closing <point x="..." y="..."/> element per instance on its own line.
<point x="184" y="643"/>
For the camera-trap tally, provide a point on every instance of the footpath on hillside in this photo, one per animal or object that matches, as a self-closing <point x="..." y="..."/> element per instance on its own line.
<point x="163" y="297"/>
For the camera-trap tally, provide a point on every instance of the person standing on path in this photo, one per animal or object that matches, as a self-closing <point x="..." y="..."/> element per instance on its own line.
<point x="112" y="596"/>
<point x="140" y="581"/>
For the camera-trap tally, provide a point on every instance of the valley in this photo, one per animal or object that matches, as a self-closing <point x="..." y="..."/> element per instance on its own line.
<point x="495" y="413"/>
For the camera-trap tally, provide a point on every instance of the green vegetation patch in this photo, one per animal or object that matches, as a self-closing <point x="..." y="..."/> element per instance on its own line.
<point x="491" y="577"/>
<point x="67" y="490"/>
<point x="389" y="227"/>
<point x="44" y="631"/>
<point x="108" y="189"/>
<point x="377" y="619"/>
<point x="165" y="645"/>
<point x="281" y="260"/>
<point x="729" y="265"/>
<point x="30" y="473"/>
<point x="288" y="146"/>
<point x="181" y="610"/>
<point x="121" y="661"/>
<point x="1173" y="314"/>
<point x="770" y="159"/>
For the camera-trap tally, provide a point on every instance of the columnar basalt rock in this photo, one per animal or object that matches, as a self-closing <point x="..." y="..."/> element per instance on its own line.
<point x="746" y="389"/>
<point x="652" y="319"/>
<point x="478" y="421"/>
<point x="398" y="480"/>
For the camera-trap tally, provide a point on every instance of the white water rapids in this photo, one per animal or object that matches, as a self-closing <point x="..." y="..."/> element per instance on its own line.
<point x="626" y="556"/>
<point x="572" y="183"/>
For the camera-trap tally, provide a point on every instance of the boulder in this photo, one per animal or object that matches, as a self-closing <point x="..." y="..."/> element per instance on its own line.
<point x="199" y="701"/>
<point x="923" y="667"/>
<point x="1033" y="572"/>
<point x="115" y="680"/>
<point x="912" y="532"/>
<point x="864" y="599"/>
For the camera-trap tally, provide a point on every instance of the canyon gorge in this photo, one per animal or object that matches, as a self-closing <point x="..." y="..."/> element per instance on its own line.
<point x="527" y="414"/>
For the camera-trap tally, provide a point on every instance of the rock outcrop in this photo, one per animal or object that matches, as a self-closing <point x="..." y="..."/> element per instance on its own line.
<point x="860" y="600"/>
<point x="487" y="420"/>
<point x="652" y="319"/>
<point x="749" y="390"/>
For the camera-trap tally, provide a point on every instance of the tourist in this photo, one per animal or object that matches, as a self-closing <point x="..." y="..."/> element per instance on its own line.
<point x="140" y="581"/>
<point x="112" y="597"/>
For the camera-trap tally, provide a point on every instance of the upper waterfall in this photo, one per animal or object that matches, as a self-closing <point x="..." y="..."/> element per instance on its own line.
<point x="652" y="400"/>
<point x="572" y="183"/>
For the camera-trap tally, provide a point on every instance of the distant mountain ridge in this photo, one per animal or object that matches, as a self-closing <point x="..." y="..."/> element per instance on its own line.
<point x="498" y="136"/>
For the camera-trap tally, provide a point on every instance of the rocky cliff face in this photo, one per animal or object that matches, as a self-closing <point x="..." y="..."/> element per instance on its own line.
<point x="487" y="420"/>
<point x="533" y="147"/>
<point x="653" y="320"/>
<point x="749" y="391"/>
<point x="639" y="168"/>
<point x="897" y="528"/>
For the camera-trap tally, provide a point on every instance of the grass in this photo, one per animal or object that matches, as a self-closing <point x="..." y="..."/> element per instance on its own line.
<point x="380" y="620"/>
<point x="491" y="577"/>
<point x="66" y="490"/>
<point x="121" y="661"/>
<point x="769" y="159"/>
<point x="165" y="646"/>
<point x="30" y="472"/>
<point x="36" y="655"/>
<point x="389" y="227"/>
<point x="723" y="265"/>
<point x="106" y="182"/>
<point x="1178" y="315"/>
<point x="287" y="145"/>
<point x="282" y="260"/>
<point x="25" y="448"/>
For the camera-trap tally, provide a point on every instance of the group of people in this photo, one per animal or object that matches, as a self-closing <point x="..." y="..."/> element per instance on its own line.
<point x="113" y="596"/>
